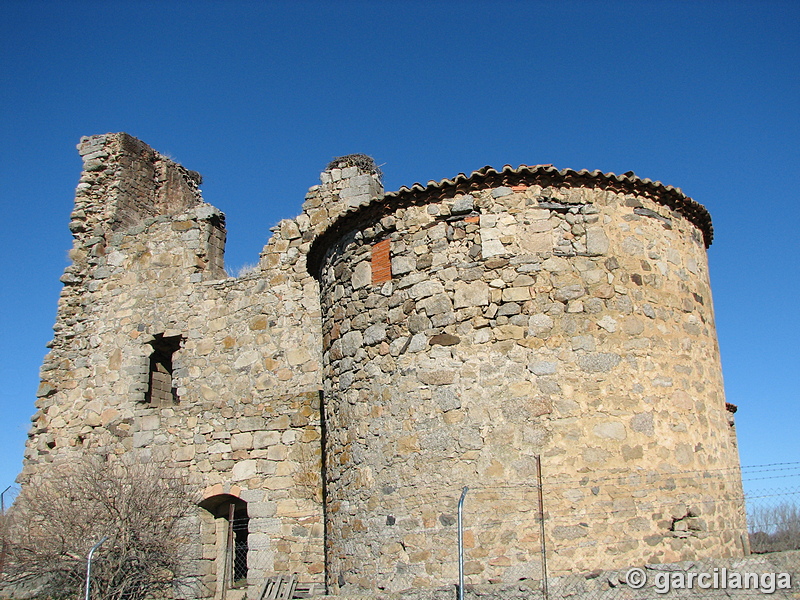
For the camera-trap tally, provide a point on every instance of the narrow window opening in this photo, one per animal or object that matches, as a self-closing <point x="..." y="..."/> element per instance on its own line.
<point x="161" y="389"/>
<point x="240" y="526"/>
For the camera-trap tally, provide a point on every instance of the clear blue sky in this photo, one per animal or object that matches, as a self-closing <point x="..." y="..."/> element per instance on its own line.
<point x="259" y="96"/>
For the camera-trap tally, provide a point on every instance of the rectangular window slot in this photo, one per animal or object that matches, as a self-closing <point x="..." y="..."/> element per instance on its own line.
<point x="161" y="389"/>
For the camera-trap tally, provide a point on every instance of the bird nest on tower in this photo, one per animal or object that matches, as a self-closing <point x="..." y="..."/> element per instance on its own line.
<point x="362" y="161"/>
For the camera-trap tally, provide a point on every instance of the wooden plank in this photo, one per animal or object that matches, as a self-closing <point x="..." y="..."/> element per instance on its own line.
<point x="308" y="590"/>
<point x="286" y="587"/>
<point x="289" y="583"/>
<point x="270" y="588"/>
<point x="265" y="589"/>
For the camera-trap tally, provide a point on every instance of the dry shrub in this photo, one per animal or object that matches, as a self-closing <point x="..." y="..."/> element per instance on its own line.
<point x="60" y="516"/>
<point x="774" y="528"/>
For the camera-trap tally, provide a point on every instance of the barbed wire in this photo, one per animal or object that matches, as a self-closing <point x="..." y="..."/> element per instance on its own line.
<point x="559" y="481"/>
<point x="773" y="477"/>
<point x="770" y="465"/>
<point x="509" y="493"/>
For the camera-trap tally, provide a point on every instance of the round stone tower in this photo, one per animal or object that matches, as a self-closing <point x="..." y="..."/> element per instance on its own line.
<point x="474" y="324"/>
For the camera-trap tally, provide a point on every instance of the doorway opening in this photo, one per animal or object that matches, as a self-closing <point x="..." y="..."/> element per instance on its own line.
<point x="231" y="528"/>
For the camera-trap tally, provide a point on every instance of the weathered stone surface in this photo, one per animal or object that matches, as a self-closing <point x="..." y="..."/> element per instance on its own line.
<point x="426" y="288"/>
<point x="516" y="294"/>
<point x="436" y="305"/>
<point x="244" y="469"/>
<point x="597" y="242"/>
<point x="464" y="204"/>
<point x="598" y="362"/>
<point x="555" y="264"/>
<point x="374" y="334"/>
<point x="516" y="321"/>
<point x="570" y="532"/>
<point x="568" y="292"/>
<point x="351" y="341"/>
<point x="632" y="326"/>
<point x="608" y="323"/>
<point x="446" y="398"/>
<point x="362" y="275"/>
<point x="612" y="430"/>
<point x="444" y="339"/>
<point x="643" y="423"/>
<point x="403" y="264"/>
<point x="475" y="293"/>
<point x="439" y="377"/>
<point x="418" y="343"/>
<point x="540" y="325"/>
<point x="543" y="367"/>
<point x="502" y="191"/>
<point x="583" y="342"/>
<point x="418" y="322"/>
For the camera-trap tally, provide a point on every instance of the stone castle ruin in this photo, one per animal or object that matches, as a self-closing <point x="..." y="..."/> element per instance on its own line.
<point x="391" y="348"/>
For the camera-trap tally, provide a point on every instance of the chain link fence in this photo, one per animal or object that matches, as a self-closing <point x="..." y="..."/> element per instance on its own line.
<point x="508" y="517"/>
<point x="770" y="497"/>
<point x="555" y="567"/>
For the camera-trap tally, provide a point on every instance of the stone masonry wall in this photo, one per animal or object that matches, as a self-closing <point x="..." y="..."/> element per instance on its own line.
<point x="137" y="182"/>
<point x="148" y="265"/>
<point x="573" y="323"/>
<point x="147" y="262"/>
<point x="453" y="340"/>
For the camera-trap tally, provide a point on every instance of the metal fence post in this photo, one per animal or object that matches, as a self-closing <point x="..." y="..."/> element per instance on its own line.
<point x="89" y="565"/>
<point x="461" y="544"/>
<point x="227" y="574"/>
<point x="545" y="591"/>
<point x="3" y="500"/>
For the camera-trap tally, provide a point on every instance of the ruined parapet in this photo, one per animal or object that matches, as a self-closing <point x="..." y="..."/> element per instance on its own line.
<point x="470" y="325"/>
<point x="125" y="181"/>
<point x="160" y="356"/>
<point x="142" y="235"/>
<point x="128" y="190"/>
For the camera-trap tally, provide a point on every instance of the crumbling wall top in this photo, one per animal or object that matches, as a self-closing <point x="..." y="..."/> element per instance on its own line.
<point x="125" y="180"/>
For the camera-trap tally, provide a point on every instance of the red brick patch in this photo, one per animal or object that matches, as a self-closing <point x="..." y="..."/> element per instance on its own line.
<point x="381" y="262"/>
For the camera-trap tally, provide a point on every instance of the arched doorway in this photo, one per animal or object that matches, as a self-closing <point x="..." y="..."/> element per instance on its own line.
<point x="228" y="525"/>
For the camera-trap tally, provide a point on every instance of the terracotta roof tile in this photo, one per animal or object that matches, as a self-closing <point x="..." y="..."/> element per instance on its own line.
<point x="549" y="175"/>
<point x="487" y="177"/>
